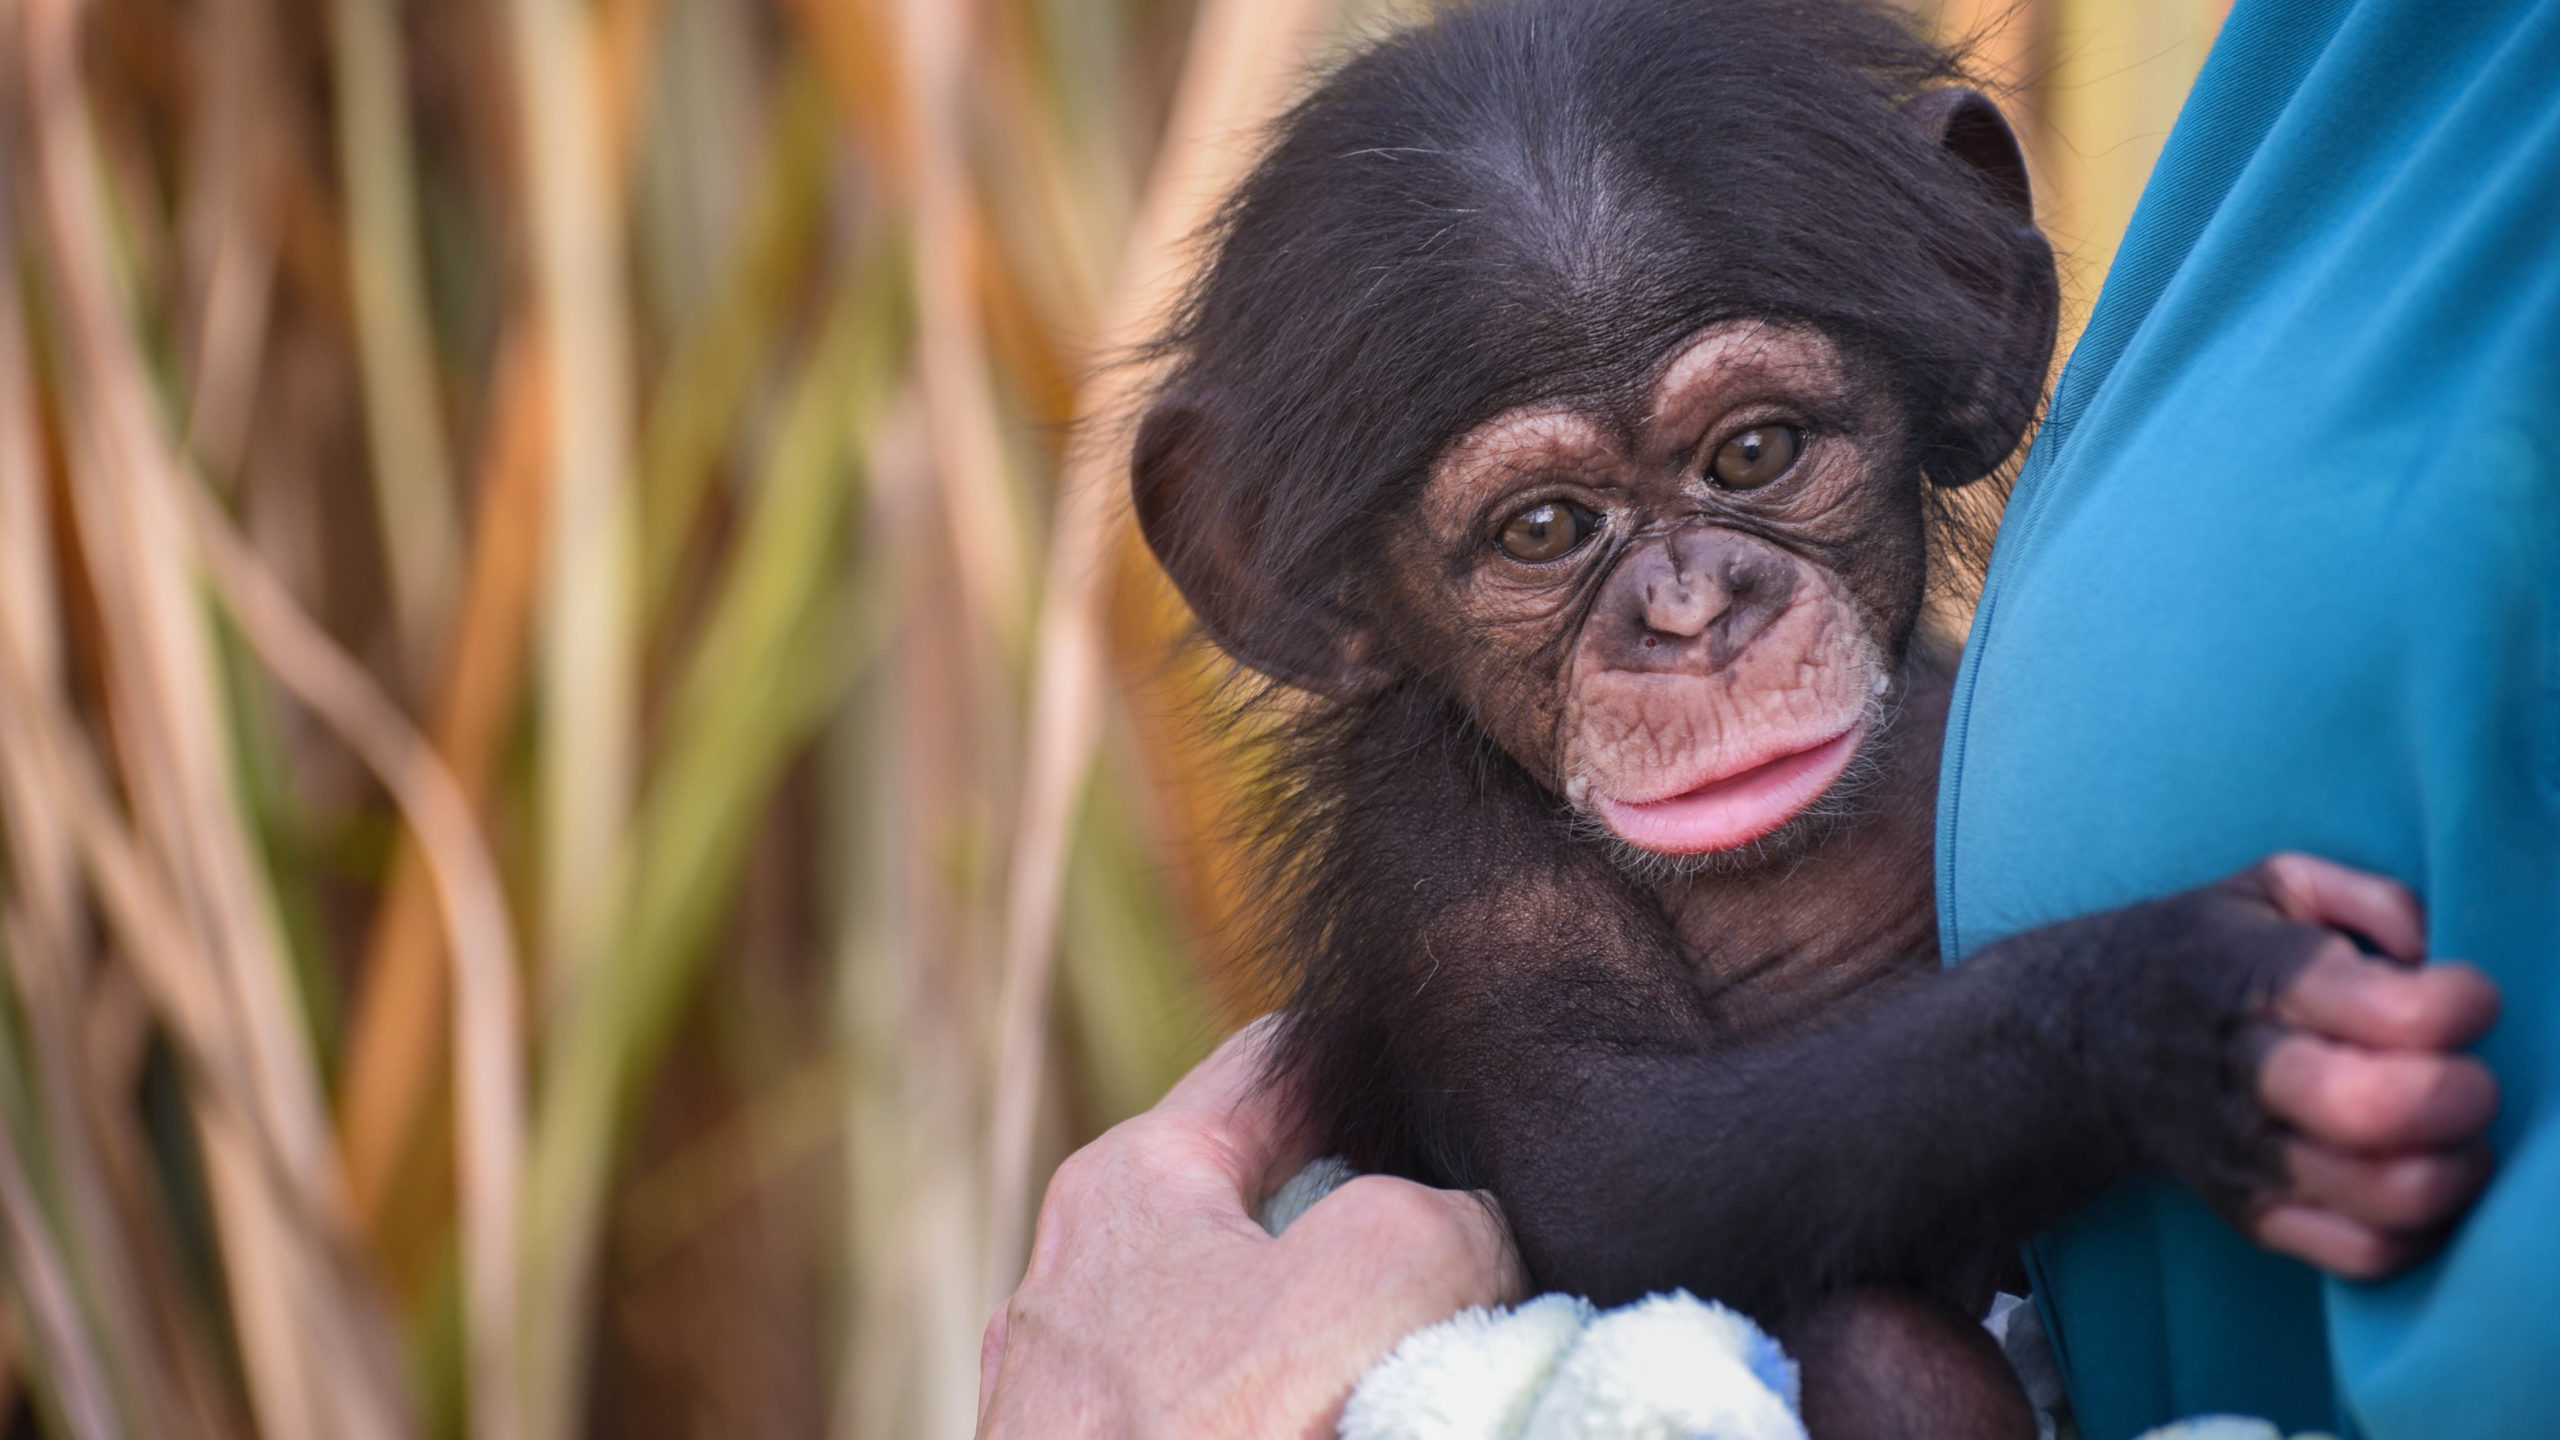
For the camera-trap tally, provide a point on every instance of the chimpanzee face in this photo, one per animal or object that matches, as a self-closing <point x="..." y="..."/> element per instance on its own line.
<point x="1679" y="603"/>
<point x="1684" y="620"/>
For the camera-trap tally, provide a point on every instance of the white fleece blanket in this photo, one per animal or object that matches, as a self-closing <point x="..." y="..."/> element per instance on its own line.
<point x="1669" y="1367"/>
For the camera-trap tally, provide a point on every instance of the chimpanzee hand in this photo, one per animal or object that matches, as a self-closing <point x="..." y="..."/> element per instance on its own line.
<point x="2362" y="1121"/>
<point x="2386" y="1117"/>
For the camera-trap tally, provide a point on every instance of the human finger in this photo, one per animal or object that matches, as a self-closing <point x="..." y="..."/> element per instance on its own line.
<point x="2414" y="1191"/>
<point x="1414" y="1254"/>
<point x="2376" y="1100"/>
<point x="1228" y="1076"/>
<point x="2344" y="996"/>
<point x="1246" y="1128"/>
<point x="2323" y="892"/>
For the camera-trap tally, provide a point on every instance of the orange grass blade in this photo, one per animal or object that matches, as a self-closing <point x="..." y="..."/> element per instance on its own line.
<point x="396" y="1044"/>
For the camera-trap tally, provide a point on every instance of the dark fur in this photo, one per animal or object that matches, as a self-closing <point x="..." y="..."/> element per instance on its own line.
<point x="1543" y="200"/>
<point x="1484" y="1002"/>
<point x="1538" y="202"/>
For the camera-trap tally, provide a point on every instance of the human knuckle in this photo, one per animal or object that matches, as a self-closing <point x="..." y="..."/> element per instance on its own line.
<point x="1391" y="1206"/>
<point x="1150" y="1150"/>
<point x="1429" y="1229"/>
<point x="1079" y="1176"/>
<point x="1026" y="1319"/>
<point x="1126" y="1160"/>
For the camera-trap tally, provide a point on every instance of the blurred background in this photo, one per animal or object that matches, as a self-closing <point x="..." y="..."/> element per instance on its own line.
<point x="593" y="787"/>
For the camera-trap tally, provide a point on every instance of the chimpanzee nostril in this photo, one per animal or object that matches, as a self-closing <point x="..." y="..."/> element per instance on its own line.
<point x="1678" y="604"/>
<point x="1697" y="596"/>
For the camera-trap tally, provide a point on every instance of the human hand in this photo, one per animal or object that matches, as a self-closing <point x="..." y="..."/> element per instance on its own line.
<point x="1155" y="1305"/>
<point x="2386" y="1118"/>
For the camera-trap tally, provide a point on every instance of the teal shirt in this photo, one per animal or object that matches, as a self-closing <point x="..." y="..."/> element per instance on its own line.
<point x="2283" y="572"/>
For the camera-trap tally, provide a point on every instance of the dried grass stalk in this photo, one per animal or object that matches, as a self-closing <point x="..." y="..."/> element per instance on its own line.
<point x="412" y="468"/>
<point x="773" y="657"/>
<point x="74" y="1372"/>
<point x="395" y="1048"/>
<point x="185" y="886"/>
<point x="488" y="1032"/>
<point x="38" y="922"/>
<point x="589" y="641"/>
<point x="1244" y="58"/>
<point x="986" y="528"/>
<point x="230" y="227"/>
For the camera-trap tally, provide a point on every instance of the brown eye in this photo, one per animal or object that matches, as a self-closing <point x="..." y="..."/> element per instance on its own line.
<point x="1544" y="532"/>
<point x="1756" y="456"/>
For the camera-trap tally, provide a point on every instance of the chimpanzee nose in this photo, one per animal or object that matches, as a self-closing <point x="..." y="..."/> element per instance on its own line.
<point x="1693" y="599"/>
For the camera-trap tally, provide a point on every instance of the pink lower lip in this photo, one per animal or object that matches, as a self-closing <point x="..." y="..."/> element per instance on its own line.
<point x="1736" y="809"/>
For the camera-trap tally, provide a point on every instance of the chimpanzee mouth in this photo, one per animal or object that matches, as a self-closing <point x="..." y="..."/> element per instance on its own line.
<point x="1732" y="811"/>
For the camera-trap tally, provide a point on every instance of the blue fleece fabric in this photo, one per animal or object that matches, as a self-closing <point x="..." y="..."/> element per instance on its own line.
<point x="2284" y="572"/>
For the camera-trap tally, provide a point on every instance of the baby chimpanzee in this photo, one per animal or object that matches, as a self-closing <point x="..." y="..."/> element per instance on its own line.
<point x="1569" y="417"/>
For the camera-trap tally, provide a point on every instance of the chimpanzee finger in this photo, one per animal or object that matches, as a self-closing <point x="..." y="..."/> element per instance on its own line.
<point x="2414" y="1191"/>
<point x="2337" y="1244"/>
<point x="2379" y="1101"/>
<point x="2341" y="995"/>
<point x="2324" y="892"/>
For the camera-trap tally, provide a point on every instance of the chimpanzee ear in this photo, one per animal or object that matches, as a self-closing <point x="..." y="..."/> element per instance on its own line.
<point x="1201" y="537"/>
<point x="2016" y="286"/>
<point x="1973" y="130"/>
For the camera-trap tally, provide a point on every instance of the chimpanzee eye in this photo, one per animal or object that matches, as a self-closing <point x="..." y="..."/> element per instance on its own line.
<point x="1544" y="532"/>
<point x="1756" y="456"/>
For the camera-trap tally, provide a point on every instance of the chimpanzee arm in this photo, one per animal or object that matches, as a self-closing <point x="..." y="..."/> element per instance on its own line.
<point x="1485" y="1002"/>
<point x="1911" y="1140"/>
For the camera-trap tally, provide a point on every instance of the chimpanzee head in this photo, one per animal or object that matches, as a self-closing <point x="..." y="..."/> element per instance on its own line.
<point x="1592" y="360"/>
